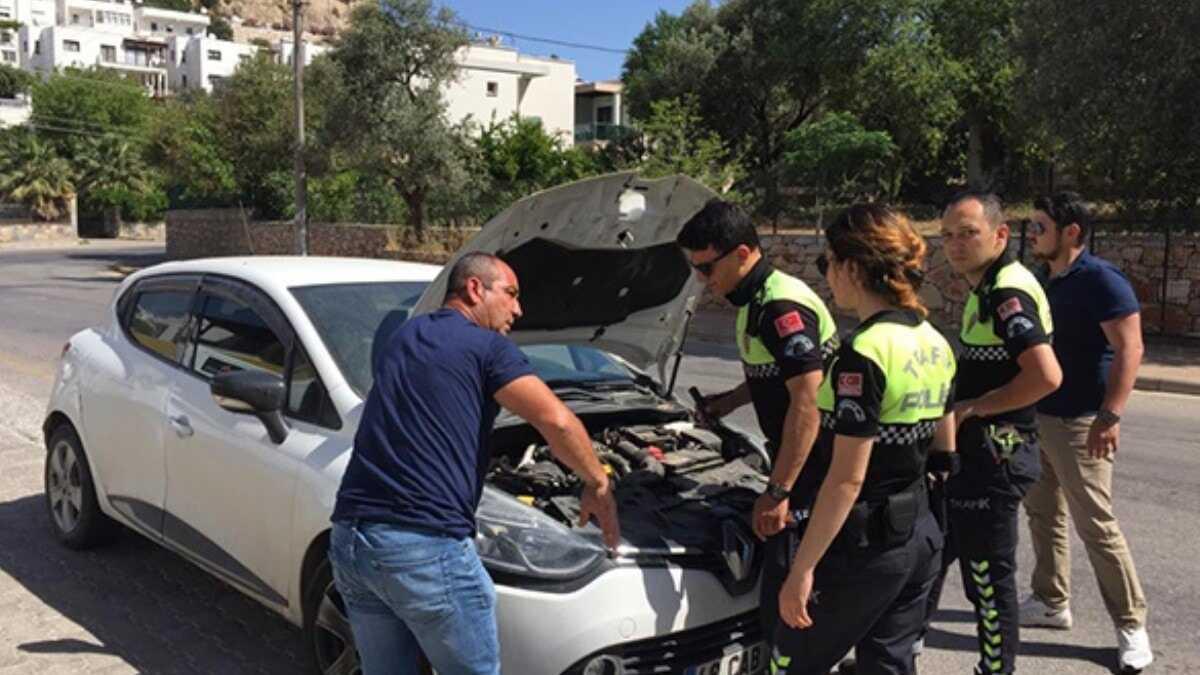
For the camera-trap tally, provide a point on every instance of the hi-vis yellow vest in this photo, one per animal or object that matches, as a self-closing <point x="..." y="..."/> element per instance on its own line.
<point x="977" y="328"/>
<point x="779" y="286"/>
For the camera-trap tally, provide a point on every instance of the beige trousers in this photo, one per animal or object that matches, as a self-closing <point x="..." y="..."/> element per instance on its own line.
<point x="1073" y="482"/>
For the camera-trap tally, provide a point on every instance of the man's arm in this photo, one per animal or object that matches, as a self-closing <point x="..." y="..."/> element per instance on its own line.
<point x="529" y="398"/>
<point x="1039" y="376"/>
<point x="800" y="428"/>
<point x="1125" y="336"/>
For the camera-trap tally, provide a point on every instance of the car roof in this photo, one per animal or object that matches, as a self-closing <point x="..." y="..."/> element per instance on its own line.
<point x="281" y="272"/>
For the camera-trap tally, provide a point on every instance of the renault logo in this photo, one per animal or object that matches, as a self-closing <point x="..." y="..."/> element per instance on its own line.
<point x="737" y="549"/>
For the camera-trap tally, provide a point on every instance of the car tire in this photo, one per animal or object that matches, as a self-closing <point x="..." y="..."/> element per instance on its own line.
<point x="328" y="638"/>
<point x="75" y="513"/>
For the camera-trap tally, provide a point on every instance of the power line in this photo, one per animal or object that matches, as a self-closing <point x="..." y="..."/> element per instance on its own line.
<point x="549" y="41"/>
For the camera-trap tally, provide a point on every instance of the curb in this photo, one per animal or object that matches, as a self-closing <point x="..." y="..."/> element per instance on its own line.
<point x="1167" y="385"/>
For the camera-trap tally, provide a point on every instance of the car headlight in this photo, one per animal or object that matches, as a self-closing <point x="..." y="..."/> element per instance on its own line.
<point x="519" y="539"/>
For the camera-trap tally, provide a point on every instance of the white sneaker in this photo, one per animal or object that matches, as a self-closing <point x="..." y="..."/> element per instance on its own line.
<point x="918" y="647"/>
<point x="1034" y="612"/>
<point x="1133" y="648"/>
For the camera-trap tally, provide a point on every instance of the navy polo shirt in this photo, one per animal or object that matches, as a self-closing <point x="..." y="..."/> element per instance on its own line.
<point x="1089" y="292"/>
<point x="422" y="446"/>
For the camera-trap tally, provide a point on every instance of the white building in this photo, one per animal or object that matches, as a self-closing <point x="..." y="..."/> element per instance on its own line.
<point x="600" y="114"/>
<point x="494" y="82"/>
<point x="205" y="62"/>
<point x="14" y="111"/>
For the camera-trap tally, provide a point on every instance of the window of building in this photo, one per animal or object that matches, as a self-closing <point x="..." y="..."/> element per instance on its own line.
<point x="170" y="29"/>
<point x="154" y="26"/>
<point x="185" y="81"/>
<point x="493" y="88"/>
<point x="74" y="18"/>
<point x="70" y="45"/>
<point x="108" y="53"/>
<point x="214" y="55"/>
<point x="37" y="46"/>
<point x="9" y="57"/>
<point x="242" y="58"/>
<point x="99" y="17"/>
<point x="189" y="31"/>
<point x="6" y="37"/>
<point x="5" y="13"/>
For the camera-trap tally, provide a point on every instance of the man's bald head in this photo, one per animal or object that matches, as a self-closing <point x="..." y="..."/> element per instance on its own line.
<point x="483" y="266"/>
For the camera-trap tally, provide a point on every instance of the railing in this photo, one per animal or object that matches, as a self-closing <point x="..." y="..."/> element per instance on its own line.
<point x="602" y="132"/>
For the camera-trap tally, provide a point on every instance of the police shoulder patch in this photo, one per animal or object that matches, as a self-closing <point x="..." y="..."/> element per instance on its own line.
<point x="789" y="323"/>
<point x="850" y="384"/>
<point x="1009" y="307"/>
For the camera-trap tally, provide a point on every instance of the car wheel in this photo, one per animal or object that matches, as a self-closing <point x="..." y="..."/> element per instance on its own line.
<point x="75" y="514"/>
<point x="327" y="632"/>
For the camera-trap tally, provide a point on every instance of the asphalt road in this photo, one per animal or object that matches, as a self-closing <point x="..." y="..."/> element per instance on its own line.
<point x="132" y="607"/>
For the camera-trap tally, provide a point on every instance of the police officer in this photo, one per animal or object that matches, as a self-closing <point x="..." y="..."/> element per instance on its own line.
<point x="869" y="548"/>
<point x="784" y="332"/>
<point x="1006" y="366"/>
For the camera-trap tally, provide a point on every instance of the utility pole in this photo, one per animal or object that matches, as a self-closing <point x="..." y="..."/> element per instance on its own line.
<point x="301" y="177"/>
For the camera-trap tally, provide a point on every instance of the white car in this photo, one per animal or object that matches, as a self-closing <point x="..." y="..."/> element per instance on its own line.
<point x="215" y="412"/>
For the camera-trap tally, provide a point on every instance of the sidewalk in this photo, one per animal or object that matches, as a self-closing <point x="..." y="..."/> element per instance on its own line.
<point x="1167" y="366"/>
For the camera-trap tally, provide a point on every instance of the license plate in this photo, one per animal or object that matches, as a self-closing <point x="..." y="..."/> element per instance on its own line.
<point x="736" y="661"/>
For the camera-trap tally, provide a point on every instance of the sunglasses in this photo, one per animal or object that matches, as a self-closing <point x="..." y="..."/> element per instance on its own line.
<point x="706" y="268"/>
<point x="823" y="264"/>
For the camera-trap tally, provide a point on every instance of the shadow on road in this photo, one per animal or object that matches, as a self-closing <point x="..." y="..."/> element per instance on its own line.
<point x="141" y="603"/>
<point x="958" y="642"/>
<point x="137" y="259"/>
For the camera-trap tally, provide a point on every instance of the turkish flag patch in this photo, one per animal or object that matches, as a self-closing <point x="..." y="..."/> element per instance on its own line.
<point x="789" y="323"/>
<point x="1008" y="308"/>
<point x="850" y="384"/>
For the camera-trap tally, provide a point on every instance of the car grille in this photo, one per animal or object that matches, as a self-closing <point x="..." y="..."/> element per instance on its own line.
<point x="674" y="652"/>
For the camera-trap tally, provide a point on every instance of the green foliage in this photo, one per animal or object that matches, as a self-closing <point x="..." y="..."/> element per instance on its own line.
<point x="72" y="108"/>
<point x="219" y="28"/>
<point x="840" y="160"/>
<point x="385" y="112"/>
<point x="185" y="146"/>
<point x="521" y="158"/>
<point x="1115" y="104"/>
<point x="14" y="81"/>
<point x="678" y="143"/>
<point x="32" y="174"/>
<point x="114" y="179"/>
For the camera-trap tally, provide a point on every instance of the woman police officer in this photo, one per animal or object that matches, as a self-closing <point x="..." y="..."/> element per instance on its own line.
<point x="868" y="548"/>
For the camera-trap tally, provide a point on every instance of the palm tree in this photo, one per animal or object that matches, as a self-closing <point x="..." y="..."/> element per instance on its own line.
<point x="31" y="173"/>
<point x="110" y="165"/>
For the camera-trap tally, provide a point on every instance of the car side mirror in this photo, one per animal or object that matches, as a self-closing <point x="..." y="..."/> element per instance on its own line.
<point x="253" y="392"/>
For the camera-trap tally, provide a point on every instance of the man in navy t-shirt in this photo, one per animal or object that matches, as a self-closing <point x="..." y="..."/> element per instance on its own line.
<point x="402" y="546"/>
<point x="1098" y="341"/>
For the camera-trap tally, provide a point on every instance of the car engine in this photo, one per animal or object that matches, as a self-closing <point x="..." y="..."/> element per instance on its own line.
<point x="673" y="482"/>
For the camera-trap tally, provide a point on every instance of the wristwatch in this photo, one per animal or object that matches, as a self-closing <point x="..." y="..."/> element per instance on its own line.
<point x="777" y="492"/>
<point x="1107" y="417"/>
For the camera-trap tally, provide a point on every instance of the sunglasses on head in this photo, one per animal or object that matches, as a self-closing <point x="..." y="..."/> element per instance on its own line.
<point x="706" y="268"/>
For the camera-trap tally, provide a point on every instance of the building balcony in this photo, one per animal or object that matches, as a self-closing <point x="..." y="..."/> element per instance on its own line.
<point x="602" y="132"/>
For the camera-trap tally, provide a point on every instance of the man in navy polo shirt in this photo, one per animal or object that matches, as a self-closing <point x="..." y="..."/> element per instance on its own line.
<point x="402" y="546"/>
<point x="1098" y="341"/>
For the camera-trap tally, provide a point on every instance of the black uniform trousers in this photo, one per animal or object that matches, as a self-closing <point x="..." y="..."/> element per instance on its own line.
<point x="981" y="503"/>
<point x="872" y="599"/>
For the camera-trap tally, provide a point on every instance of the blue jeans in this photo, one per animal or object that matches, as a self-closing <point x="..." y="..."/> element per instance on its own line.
<point x="408" y="593"/>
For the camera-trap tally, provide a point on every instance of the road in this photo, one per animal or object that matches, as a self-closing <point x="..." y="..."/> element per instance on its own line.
<point x="133" y="607"/>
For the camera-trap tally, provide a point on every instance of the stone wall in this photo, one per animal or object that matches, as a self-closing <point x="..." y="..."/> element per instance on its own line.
<point x="224" y="232"/>
<point x="1140" y="256"/>
<point x="37" y="232"/>
<point x="195" y="234"/>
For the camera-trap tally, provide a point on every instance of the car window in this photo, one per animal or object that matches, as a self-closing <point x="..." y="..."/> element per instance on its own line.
<point x="159" y="321"/>
<point x="307" y="398"/>
<point x="577" y="363"/>
<point x="232" y="336"/>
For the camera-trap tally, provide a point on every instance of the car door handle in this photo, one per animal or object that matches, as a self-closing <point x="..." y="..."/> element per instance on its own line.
<point x="183" y="428"/>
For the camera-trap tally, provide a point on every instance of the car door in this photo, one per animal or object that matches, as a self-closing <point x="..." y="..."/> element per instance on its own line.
<point x="230" y="489"/>
<point x="124" y="409"/>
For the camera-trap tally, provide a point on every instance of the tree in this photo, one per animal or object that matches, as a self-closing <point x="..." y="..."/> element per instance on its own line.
<point x="672" y="57"/>
<point x="14" y="82"/>
<point x="185" y="146"/>
<point x="71" y="107"/>
<point x="677" y="142"/>
<point x="386" y="110"/>
<point x="773" y="65"/>
<point x="113" y="175"/>
<point x="1116" y="102"/>
<point x="841" y="161"/>
<point x="31" y="173"/>
<point x="219" y="28"/>
<point x="521" y="158"/>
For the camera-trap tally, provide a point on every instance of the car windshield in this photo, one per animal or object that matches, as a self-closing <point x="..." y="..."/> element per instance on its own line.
<point x="353" y="318"/>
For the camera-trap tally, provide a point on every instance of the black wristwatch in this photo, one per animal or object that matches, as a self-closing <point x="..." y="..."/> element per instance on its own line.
<point x="1107" y="417"/>
<point x="777" y="492"/>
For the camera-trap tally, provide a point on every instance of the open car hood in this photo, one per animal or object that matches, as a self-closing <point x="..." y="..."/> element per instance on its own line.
<point x="598" y="264"/>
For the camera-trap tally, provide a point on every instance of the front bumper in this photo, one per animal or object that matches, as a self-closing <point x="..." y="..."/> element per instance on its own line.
<point x="643" y="617"/>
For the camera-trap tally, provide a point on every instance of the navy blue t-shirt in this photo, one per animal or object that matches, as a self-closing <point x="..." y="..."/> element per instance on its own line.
<point x="1090" y="292"/>
<point x="422" y="446"/>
